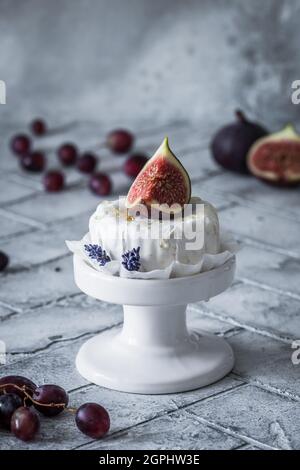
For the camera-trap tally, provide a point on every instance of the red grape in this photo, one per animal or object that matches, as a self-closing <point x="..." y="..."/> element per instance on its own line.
<point x="134" y="164"/>
<point x="54" y="181"/>
<point x="25" y="423"/>
<point x="34" y="162"/>
<point x="8" y="405"/>
<point x="100" y="184"/>
<point x="120" y="141"/>
<point x="18" y="380"/>
<point x="87" y="163"/>
<point x="4" y="259"/>
<point x="67" y="154"/>
<point x="38" y="127"/>
<point x="50" y="394"/>
<point x="20" y="144"/>
<point x="93" y="420"/>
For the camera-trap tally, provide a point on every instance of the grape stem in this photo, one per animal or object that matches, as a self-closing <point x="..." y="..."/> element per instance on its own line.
<point x="27" y="395"/>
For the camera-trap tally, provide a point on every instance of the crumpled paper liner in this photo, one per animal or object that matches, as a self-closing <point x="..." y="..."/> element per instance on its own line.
<point x="176" y="269"/>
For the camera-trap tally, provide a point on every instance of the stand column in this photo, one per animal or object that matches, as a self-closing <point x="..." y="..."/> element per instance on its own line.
<point x="146" y="327"/>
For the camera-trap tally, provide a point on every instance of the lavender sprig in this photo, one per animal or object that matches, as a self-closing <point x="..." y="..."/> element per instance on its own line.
<point x="96" y="253"/>
<point x="131" y="259"/>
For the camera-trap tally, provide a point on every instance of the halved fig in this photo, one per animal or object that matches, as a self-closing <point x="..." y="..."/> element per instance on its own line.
<point x="276" y="159"/>
<point x="163" y="181"/>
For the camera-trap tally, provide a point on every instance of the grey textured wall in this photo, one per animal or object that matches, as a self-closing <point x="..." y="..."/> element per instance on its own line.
<point x="120" y="60"/>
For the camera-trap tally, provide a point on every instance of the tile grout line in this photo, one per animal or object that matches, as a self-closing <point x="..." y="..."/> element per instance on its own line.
<point x="6" y="204"/>
<point x="23" y="219"/>
<point x="21" y="233"/>
<point x="248" y="241"/>
<point x="266" y="387"/>
<point x="72" y="339"/>
<point x="245" y="280"/>
<point x="14" y="309"/>
<point x="35" y="266"/>
<point x="247" y="327"/>
<point x="55" y="301"/>
<point x="242" y="447"/>
<point x="252" y="204"/>
<point x="47" y="225"/>
<point x="230" y="432"/>
<point x="4" y="318"/>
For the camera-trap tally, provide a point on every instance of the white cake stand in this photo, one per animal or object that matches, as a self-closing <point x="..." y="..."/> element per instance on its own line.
<point x="154" y="352"/>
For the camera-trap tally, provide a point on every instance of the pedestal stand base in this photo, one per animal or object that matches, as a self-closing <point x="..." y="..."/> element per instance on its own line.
<point x="154" y="352"/>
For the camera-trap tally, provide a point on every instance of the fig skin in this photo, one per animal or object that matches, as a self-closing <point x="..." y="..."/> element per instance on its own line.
<point x="275" y="159"/>
<point x="231" y="143"/>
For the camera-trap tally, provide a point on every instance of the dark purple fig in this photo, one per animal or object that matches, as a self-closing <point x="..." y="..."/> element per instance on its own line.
<point x="231" y="143"/>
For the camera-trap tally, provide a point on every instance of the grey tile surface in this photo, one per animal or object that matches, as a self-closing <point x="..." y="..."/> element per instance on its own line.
<point x="12" y="191"/>
<point x="174" y="431"/>
<point x="256" y="415"/>
<point x="257" y="224"/>
<point x="10" y="227"/>
<point x="40" y="246"/>
<point x="275" y="270"/>
<point x="263" y="309"/>
<point x="44" y="319"/>
<point x="61" y="321"/>
<point x="266" y="361"/>
<point x="40" y="285"/>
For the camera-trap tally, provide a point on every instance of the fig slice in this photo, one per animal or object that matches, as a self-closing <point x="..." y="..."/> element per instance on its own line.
<point x="163" y="181"/>
<point x="276" y="158"/>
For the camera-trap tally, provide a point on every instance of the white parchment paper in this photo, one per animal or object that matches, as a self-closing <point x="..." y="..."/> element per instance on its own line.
<point x="176" y="269"/>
